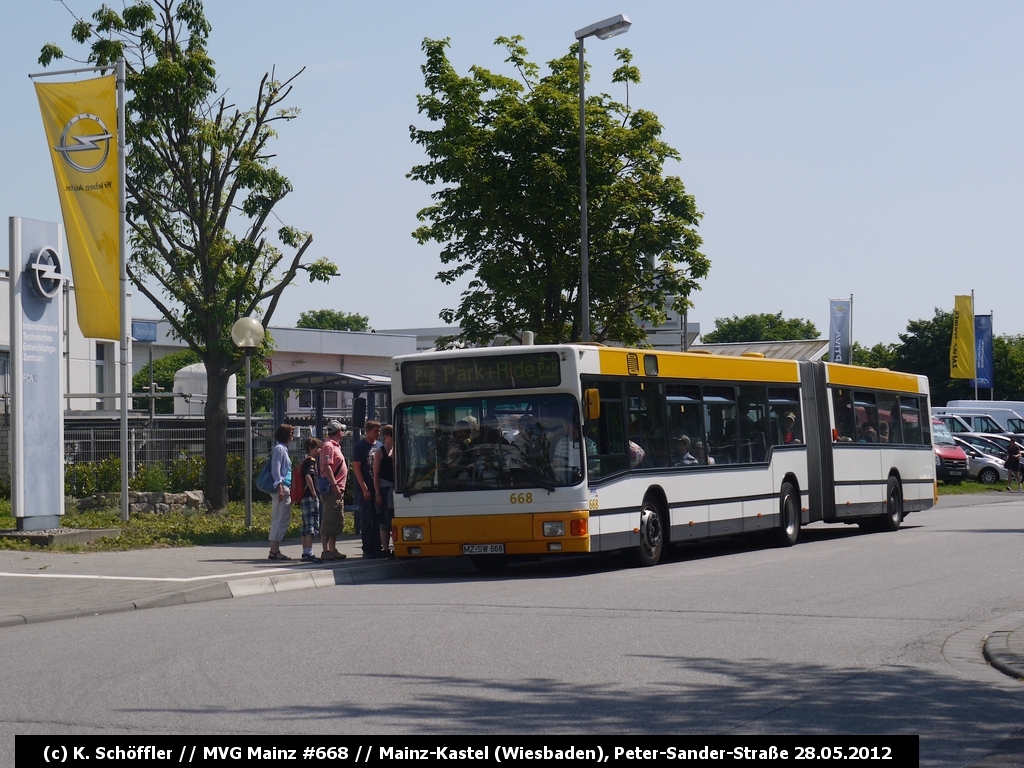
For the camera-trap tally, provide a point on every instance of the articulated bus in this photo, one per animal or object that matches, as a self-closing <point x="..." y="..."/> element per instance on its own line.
<point x="537" y="450"/>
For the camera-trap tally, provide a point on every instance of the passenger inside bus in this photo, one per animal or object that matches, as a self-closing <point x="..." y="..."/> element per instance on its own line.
<point x="683" y="457"/>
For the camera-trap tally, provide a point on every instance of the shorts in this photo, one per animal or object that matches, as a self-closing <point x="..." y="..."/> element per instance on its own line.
<point x="333" y="519"/>
<point x="311" y="516"/>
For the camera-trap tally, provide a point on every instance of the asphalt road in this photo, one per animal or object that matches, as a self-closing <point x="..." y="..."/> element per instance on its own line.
<point x="844" y="633"/>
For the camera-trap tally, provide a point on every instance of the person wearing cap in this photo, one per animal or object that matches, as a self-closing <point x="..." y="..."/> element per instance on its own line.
<point x="788" y="428"/>
<point x="335" y="471"/>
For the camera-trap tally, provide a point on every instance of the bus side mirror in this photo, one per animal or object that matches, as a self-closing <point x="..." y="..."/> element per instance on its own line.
<point x="359" y="412"/>
<point x="593" y="402"/>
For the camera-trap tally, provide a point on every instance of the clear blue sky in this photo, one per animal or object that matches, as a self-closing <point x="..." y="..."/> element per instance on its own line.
<point x="870" y="148"/>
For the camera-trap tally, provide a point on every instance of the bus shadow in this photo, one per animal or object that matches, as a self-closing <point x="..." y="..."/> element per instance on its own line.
<point x="570" y="566"/>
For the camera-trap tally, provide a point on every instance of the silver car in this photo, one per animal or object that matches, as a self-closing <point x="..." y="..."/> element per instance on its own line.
<point x="982" y="465"/>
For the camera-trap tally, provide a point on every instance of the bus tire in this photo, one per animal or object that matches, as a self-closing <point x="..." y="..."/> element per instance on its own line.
<point x="789" y="516"/>
<point x="893" y="517"/>
<point x="652" y="535"/>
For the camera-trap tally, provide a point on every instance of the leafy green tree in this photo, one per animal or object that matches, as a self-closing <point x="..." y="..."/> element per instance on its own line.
<point x="504" y="155"/>
<point x="760" y="327"/>
<point x="165" y="367"/>
<point x="195" y="164"/>
<point x="878" y="356"/>
<point x="333" y="320"/>
<point x="924" y="349"/>
<point x="1008" y="360"/>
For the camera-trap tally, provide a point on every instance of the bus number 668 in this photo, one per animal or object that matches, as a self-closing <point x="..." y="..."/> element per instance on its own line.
<point x="521" y="498"/>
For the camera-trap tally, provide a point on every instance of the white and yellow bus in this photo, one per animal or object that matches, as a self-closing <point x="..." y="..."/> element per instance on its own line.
<point x="573" y="448"/>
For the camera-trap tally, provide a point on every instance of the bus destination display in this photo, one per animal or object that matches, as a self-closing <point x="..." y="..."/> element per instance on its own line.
<point x="467" y="374"/>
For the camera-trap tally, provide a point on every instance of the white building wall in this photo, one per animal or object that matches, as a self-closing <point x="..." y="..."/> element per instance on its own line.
<point x="78" y="369"/>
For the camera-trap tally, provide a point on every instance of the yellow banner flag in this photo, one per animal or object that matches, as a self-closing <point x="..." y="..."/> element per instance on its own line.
<point x="81" y="129"/>
<point x="961" y="349"/>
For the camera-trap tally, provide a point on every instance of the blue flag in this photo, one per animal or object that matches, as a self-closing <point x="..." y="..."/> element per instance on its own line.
<point x="985" y="368"/>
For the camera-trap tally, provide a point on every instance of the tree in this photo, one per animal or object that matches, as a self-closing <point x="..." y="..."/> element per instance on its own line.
<point x="333" y="320"/>
<point x="165" y="367"/>
<point x="878" y="356"/>
<point x="504" y="153"/>
<point x="762" y="327"/>
<point x="924" y="349"/>
<point x="194" y="162"/>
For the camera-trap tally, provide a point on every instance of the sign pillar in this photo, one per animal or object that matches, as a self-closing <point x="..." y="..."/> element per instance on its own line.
<point x="37" y="275"/>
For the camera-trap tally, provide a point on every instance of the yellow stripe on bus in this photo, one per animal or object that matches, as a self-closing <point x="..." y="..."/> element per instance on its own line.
<point x="873" y="378"/>
<point x="687" y="365"/>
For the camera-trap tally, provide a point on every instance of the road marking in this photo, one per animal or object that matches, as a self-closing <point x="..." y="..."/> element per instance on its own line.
<point x="176" y="579"/>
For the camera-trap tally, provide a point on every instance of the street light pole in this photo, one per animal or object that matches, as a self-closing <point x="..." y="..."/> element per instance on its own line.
<point x="247" y="333"/>
<point x="602" y="30"/>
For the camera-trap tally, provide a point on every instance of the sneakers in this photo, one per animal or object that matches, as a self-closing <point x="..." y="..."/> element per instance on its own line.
<point x="309" y="557"/>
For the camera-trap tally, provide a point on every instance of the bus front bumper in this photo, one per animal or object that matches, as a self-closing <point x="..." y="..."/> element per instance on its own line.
<point x="519" y="534"/>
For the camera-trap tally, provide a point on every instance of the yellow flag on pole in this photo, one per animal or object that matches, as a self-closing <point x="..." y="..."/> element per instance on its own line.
<point x="80" y="119"/>
<point x="961" y="348"/>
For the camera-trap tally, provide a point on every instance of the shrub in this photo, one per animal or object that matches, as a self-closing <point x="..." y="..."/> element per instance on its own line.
<point x="187" y="474"/>
<point x="149" y="478"/>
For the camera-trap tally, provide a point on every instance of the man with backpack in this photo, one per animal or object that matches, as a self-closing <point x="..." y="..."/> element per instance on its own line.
<point x="333" y="476"/>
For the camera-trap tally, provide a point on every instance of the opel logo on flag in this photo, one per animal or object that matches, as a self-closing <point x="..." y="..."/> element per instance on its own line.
<point x="47" y="272"/>
<point x="89" y="143"/>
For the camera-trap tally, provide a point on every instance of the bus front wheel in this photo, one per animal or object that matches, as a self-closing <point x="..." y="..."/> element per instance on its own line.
<point x="789" y="516"/>
<point x="652" y="535"/>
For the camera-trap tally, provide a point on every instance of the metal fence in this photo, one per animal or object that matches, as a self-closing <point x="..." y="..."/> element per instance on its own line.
<point x="157" y="445"/>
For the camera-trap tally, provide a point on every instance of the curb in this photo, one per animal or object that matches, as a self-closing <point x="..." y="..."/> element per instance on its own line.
<point x="997" y="653"/>
<point x="261" y="585"/>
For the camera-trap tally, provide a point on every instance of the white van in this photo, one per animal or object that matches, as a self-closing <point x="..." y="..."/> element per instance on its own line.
<point x="1006" y="412"/>
<point x="996" y="420"/>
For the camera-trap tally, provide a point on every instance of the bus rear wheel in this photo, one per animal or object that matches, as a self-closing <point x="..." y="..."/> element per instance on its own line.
<point x="893" y="506"/>
<point x="789" y="516"/>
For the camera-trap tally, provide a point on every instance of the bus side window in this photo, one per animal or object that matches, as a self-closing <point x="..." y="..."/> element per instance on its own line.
<point x="889" y="430"/>
<point x="910" y="420"/>
<point x="753" y="424"/>
<point x="786" y="425"/>
<point x="720" y="418"/>
<point x="607" y="432"/>
<point x="842" y="408"/>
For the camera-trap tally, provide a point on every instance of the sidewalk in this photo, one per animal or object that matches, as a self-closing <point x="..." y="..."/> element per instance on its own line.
<point x="41" y="586"/>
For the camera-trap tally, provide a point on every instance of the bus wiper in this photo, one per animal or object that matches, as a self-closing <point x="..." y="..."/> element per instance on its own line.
<point x="410" y="492"/>
<point x="533" y="481"/>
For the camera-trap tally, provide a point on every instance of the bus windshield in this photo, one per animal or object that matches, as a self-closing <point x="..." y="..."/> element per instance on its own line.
<point x="523" y="441"/>
<point x="942" y="434"/>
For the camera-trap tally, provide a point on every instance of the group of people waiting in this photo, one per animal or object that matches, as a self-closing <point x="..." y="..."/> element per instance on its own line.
<point x="324" y="476"/>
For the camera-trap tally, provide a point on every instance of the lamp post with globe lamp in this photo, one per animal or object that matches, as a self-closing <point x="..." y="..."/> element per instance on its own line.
<point x="247" y="333"/>
<point x="602" y="30"/>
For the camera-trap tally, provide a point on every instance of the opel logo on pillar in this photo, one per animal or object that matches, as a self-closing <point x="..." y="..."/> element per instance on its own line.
<point x="85" y="143"/>
<point x="47" y="272"/>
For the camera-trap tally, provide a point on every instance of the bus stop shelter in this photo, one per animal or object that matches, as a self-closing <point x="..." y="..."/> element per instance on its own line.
<point x="377" y="391"/>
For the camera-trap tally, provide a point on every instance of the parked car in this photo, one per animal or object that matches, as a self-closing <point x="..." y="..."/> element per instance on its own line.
<point x="950" y="459"/>
<point x="983" y="466"/>
<point x="982" y="440"/>
<point x="994" y="445"/>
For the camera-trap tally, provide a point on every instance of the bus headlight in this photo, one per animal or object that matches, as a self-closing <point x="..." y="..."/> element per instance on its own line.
<point x="554" y="529"/>
<point x="412" y="533"/>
